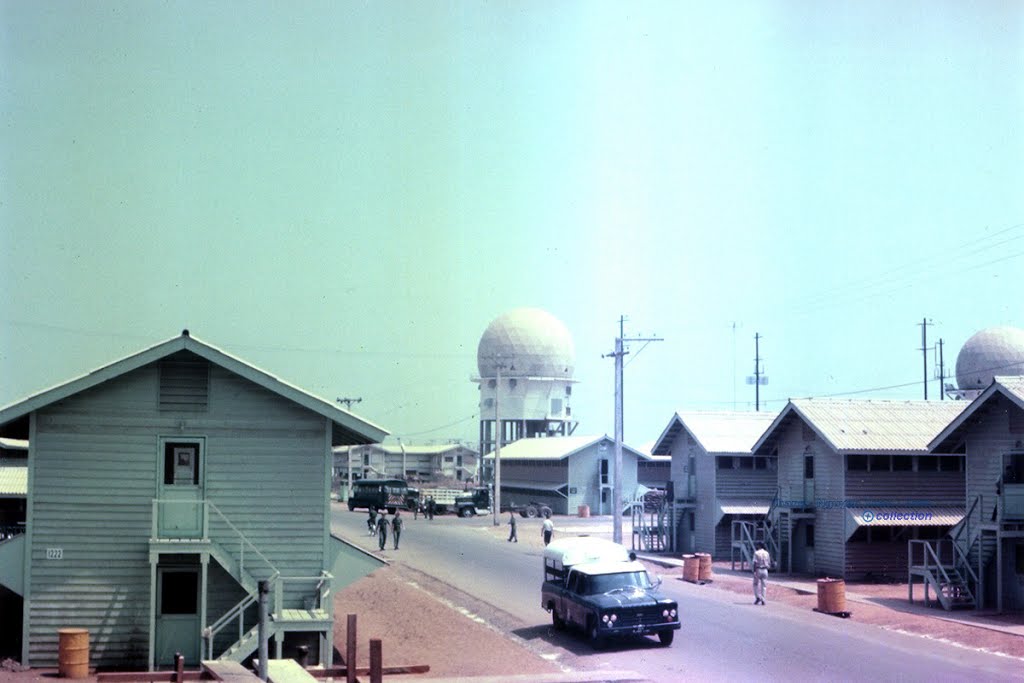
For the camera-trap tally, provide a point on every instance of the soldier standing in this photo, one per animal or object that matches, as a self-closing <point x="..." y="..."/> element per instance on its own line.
<point x="396" y="527"/>
<point x="382" y="531"/>
<point x="512" y="538"/>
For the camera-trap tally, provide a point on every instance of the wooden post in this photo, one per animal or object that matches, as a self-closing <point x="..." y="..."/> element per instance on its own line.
<point x="376" y="662"/>
<point x="179" y="667"/>
<point x="263" y="629"/>
<point x="350" y="650"/>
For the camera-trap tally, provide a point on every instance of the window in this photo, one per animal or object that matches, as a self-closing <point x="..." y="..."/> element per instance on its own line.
<point x="809" y="536"/>
<point x="951" y="463"/>
<point x="760" y="463"/>
<point x="902" y="463"/>
<point x="927" y="463"/>
<point x="746" y="463"/>
<point x="179" y="591"/>
<point x="808" y="467"/>
<point x="181" y="464"/>
<point x="724" y="462"/>
<point x="604" y="470"/>
<point x="856" y="462"/>
<point x="556" y="406"/>
<point x="880" y="463"/>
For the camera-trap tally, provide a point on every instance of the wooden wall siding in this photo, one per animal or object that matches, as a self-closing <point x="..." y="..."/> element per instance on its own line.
<point x="830" y="523"/>
<point x="707" y="503"/>
<point x="722" y="547"/>
<point x="96" y="464"/>
<point x="746" y="484"/>
<point x="791" y="461"/>
<point x="884" y="558"/>
<point x="654" y="474"/>
<point x="555" y="472"/>
<point x="939" y="488"/>
<point x="224" y="594"/>
<point x="988" y="438"/>
<point x="584" y="473"/>
<point x="184" y="383"/>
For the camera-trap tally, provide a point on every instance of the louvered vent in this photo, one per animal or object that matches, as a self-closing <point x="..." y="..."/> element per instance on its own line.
<point x="184" y="385"/>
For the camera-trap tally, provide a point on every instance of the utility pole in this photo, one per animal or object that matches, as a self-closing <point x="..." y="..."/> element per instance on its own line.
<point x="758" y="378"/>
<point x="757" y="371"/>
<point x="924" y="352"/>
<point x="497" y="446"/>
<point x="620" y="351"/>
<point x="942" y="375"/>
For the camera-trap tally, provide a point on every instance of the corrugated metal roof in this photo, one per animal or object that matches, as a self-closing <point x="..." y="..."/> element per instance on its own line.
<point x="14" y="444"/>
<point x="555" y="448"/>
<point x="744" y="507"/>
<point x="13" y="478"/>
<point x="1011" y="387"/>
<point x="858" y="425"/>
<point x="726" y="431"/>
<point x="896" y="516"/>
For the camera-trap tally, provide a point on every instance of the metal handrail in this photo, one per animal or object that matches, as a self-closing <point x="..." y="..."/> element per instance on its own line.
<point x="928" y="551"/>
<point x="242" y="541"/>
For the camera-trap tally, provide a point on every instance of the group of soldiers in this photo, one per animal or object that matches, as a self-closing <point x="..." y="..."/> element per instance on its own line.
<point x="378" y="525"/>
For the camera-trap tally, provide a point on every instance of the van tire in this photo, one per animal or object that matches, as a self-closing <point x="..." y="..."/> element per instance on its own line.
<point x="467" y="512"/>
<point x="556" y="621"/>
<point x="665" y="637"/>
<point x="594" y="634"/>
<point x="351" y="507"/>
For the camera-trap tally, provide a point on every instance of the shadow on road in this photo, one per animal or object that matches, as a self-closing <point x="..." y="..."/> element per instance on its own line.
<point x="576" y="642"/>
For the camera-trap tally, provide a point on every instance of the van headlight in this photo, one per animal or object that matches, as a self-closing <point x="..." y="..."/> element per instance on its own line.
<point x="609" y="619"/>
<point x="669" y="614"/>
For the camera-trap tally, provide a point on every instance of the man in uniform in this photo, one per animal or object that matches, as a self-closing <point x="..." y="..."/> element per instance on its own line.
<point x="396" y="527"/>
<point x="382" y="531"/>
<point x="512" y="538"/>
<point x="762" y="560"/>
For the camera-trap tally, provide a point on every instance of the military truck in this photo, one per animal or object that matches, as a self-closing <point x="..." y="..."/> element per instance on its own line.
<point x="464" y="503"/>
<point x="594" y="586"/>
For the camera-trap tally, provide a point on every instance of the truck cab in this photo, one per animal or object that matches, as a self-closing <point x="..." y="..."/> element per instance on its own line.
<point x="592" y="585"/>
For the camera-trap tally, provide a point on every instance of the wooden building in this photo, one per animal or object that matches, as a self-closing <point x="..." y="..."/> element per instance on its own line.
<point x="715" y="477"/>
<point x="990" y="432"/>
<point x="448" y="463"/>
<point x="856" y="481"/>
<point x="566" y="472"/>
<point x="161" y="489"/>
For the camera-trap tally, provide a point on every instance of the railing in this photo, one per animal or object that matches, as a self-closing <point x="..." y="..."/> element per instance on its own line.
<point x="206" y="507"/>
<point x="314" y="602"/>
<point x="243" y="542"/>
<point x="930" y="559"/>
<point x="236" y="612"/>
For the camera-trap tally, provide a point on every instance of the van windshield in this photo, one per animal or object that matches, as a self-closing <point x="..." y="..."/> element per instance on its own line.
<point x="603" y="583"/>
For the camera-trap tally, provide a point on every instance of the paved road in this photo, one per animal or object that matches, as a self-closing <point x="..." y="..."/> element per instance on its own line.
<point x="723" y="636"/>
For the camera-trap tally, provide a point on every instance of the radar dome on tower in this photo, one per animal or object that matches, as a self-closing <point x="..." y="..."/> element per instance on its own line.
<point x="527" y="342"/>
<point x="992" y="352"/>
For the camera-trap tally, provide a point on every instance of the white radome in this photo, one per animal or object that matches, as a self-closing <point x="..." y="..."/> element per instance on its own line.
<point x="992" y="352"/>
<point x="527" y="342"/>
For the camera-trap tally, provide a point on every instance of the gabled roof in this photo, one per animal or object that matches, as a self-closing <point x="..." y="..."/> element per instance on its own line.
<point x="555" y="448"/>
<point x="868" y="425"/>
<point x="347" y="427"/>
<point x="717" y="432"/>
<point x="1012" y="388"/>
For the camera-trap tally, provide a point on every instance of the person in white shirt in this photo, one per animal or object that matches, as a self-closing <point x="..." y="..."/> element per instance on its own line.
<point x="547" y="529"/>
<point x="762" y="561"/>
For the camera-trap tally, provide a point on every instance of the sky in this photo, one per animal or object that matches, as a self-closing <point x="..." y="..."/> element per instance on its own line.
<point x="346" y="194"/>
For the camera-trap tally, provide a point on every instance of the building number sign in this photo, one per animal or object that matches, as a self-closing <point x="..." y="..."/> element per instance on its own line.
<point x="55" y="553"/>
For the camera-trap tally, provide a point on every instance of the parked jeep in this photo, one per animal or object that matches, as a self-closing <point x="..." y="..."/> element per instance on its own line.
<point x="592" y="585"/>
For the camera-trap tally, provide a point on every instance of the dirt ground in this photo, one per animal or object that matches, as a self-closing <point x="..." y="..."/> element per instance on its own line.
<point x="456" y="644"/>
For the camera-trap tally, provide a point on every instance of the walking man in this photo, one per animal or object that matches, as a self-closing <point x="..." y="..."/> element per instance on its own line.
<point x="371" y="523"/>
<point x="512" y="538"/>
<point x="547" y="529"/>
<point x="396" y="527"/>
<point x="762" y="560"/>
<point x="382" y="531"/>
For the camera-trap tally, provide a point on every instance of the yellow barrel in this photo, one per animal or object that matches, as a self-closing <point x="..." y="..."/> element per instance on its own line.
<point x="73" y="653"/>
<point x="704" y="572"/>
<point x="691" y="567"/>
<point x="831" y="595"/>
<point x="584" y="510"/>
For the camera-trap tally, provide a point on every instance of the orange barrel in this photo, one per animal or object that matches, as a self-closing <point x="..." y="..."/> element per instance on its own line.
<point x="704" y="564"/>
<point x="831" y="595"/>
<point x="691" y="567"/>
<point x="584" y="510"/>
<point x="73" y="652"/>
